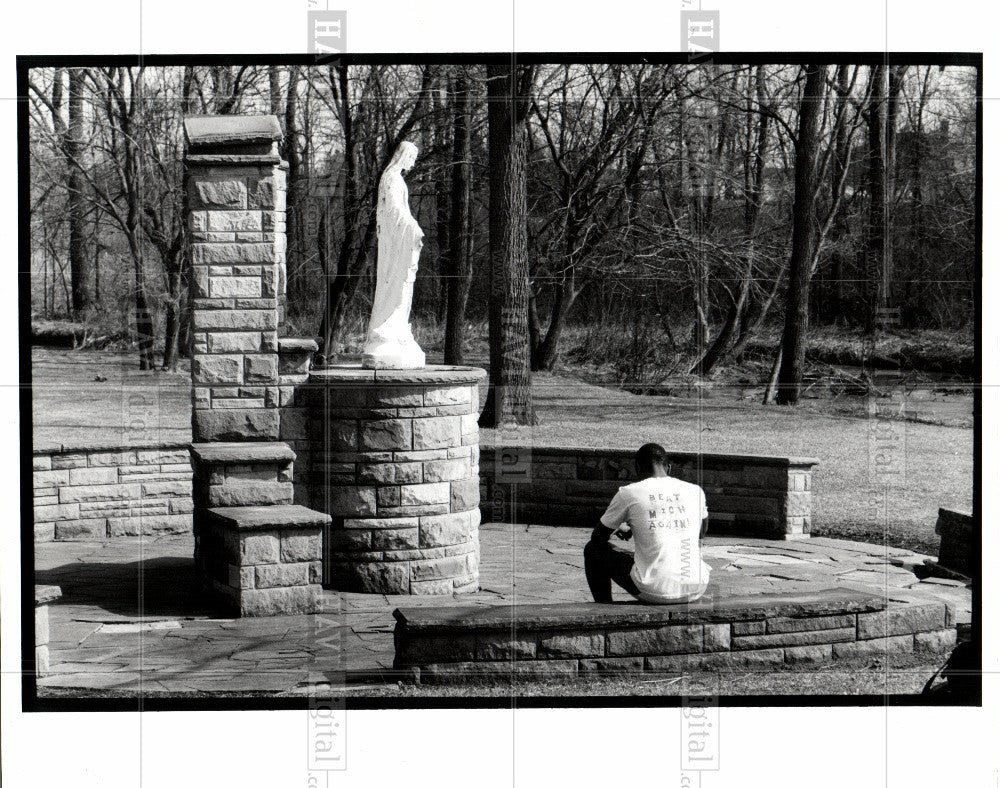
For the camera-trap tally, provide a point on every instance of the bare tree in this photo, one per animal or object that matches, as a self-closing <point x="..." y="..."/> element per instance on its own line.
<point x="757" y="126"/>
<point x="793" y="340"/>
<point x="597" y="125"/>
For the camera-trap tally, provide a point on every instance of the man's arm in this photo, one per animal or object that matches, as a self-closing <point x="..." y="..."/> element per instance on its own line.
<point x="601" y="534"/>
<point x="611" y="520"/>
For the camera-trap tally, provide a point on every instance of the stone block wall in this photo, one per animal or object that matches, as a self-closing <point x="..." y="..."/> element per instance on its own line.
<point x="762" y="496"/>
<point x="43" y="596"/>
<point x="294" y="363"/>
<point x="100" y="493"/>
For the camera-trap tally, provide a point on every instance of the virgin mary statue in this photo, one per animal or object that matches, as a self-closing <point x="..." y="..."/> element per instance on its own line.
<point x="390" y="343"/>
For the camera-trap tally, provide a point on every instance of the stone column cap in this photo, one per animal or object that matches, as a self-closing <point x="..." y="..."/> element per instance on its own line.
<point x="215" y="130"/>
<point x="352" y="374"/>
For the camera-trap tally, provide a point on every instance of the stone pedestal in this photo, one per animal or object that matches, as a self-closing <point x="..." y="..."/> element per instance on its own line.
<point x="395" y="462"/>
<point x="266" y="559"/>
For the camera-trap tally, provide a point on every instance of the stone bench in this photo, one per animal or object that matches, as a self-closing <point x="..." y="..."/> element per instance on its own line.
<point x="567" y="640"/>
<point x="957" y="553"/>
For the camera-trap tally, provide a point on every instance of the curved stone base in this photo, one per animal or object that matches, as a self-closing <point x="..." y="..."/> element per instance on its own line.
<point x="395" y="462"/>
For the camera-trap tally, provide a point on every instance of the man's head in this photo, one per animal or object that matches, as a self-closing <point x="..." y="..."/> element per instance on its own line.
<point x="651" y="460"/>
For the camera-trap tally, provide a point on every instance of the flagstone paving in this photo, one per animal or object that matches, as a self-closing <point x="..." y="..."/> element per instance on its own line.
<point x="129" y="620"/>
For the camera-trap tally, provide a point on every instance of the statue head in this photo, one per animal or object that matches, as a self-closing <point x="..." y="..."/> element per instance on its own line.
<point x="404" y="157"/>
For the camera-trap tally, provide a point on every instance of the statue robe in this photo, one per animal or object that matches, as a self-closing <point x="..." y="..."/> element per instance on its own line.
<point x="390" y="342"/>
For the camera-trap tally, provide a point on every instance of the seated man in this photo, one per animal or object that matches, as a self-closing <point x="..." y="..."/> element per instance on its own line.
<point x="666" y="517"/>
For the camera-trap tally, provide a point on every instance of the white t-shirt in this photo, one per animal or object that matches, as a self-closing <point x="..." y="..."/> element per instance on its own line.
<point x="665" y="516"/>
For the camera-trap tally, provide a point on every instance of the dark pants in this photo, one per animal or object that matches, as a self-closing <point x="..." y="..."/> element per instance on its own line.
<point x="604" y="562"/>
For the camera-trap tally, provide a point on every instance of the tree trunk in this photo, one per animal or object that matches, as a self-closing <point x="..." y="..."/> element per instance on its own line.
<point x="841" y="151"/>
<point x="793" y="341"/>
<point x="79" y="265"/>
<point x="772" y="380"/>
<point x="442" y="188"/>
<point x="509" y="398"/>
<point x="337" y="282"/>
<point x="876" y="247"/>
<point x="143" y="317"/>
<point x="172" y="321"/>
<point x="459" y="263"/>
<point x="545" y="354"/>
<point x="294" y="253"/>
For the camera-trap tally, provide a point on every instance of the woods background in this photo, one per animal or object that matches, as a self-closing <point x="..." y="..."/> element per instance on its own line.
<point x="655" y="220"/>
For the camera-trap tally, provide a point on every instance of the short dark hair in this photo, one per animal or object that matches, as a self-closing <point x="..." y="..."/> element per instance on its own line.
<point x="649" y="456"/>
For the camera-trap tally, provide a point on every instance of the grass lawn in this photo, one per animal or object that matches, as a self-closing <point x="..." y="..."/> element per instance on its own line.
<point x="906" y="676"/>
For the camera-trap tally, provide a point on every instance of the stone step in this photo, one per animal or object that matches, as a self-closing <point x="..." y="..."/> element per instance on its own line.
<point x="574" y="639"/>
<point x="262" y="560"/>
<point x="263" y="518"/>
<point x="242" y="474"/>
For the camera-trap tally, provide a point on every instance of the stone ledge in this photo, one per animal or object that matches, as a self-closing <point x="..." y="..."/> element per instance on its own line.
<point x="255" y="518"/>
<point x="108" y="445"/>
<point x="46" y="594"/>
<point x="354" y="375"/>
<point x="297" y="345"/>
<point x="249" y="453"/>
<point x="571" y="453"/>
<point x="577" y="615"/>
<point x="214" y="159"/>
<point x="583" y="638"/>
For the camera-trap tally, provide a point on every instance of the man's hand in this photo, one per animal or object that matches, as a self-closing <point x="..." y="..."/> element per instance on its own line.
<point x="624" y="533"/>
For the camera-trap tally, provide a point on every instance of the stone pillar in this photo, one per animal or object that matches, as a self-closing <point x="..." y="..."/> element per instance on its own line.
<point x="255" y="549"/>
<point x="43" y="595"/>
<point x="395" y="462"/>
<point x="236" y="201"/>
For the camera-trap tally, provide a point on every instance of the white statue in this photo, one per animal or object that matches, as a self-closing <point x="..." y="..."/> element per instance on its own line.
<point x="390" y="343"/>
